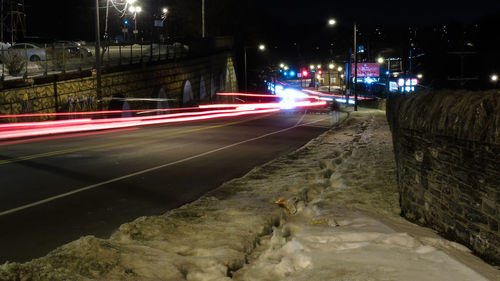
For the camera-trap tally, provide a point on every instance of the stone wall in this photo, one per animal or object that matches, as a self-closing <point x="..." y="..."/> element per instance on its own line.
<point x="447" y="150"/>
<point x="136" y="88"/>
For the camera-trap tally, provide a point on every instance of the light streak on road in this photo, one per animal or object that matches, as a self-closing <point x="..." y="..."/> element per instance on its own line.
<point x="247" y="95"/>
<point x="118" y="123"/>
<point x="88" y="113"/>
<point x="209" y="111"/>
<point x="332" y="95"/>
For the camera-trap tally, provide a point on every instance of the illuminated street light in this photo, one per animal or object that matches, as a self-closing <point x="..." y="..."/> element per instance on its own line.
<point x="282" y="65"/>
<point x="319" y="66"/>
<point x="420" y="76"/>
<point x="311" y="66"/>
<point x="260" y="47"/>
<point x="494" y="78"/>
<point x="331" y="66"/>
<point x="285" y="68"/>
<point x="164" y="13"/>
<point x="380" y="60"/>
<point x="339" y="69"/>
<point x="135" y="10"/>
<point x="332" y="22"/>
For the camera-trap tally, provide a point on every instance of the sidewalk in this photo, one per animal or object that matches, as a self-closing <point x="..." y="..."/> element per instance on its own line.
<point x="328" y="211"/>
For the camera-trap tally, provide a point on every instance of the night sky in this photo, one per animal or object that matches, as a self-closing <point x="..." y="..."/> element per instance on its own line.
<point x="75" y="18"/>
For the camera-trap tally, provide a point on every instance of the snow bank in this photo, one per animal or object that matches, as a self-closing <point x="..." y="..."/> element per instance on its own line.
<point x="341" y="223"/>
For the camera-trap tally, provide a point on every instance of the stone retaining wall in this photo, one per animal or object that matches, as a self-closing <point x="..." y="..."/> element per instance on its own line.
<point x="148" y="81"/>
<point x="447" y="149"/>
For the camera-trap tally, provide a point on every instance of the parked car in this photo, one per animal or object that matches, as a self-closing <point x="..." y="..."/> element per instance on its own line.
<point x="74" y="49"/>
<point x="29" y="51"/>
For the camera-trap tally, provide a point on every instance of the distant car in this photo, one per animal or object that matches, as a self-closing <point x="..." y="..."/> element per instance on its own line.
<point x="75" y="49"/>
<point x="30" y="51"/>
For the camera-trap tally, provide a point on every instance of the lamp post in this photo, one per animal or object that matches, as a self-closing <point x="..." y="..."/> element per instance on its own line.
<point x="164" y="12"/>
<point x="135" y="10"/>
<point x="332" y="22"/>
<point x="330" y="68"/>
<point x="261" y="48"/>
<point x="339" y="70"/>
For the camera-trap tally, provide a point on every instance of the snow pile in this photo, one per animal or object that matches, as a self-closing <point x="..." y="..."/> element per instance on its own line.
<point x="345" y="244"/>
<point x="338" y="221"/>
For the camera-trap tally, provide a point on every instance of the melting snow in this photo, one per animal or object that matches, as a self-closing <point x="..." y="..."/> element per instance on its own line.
<point x="342" y="224"/>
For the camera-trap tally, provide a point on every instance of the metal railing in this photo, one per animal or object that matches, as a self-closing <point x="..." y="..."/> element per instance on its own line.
<point x="29" y="60"/>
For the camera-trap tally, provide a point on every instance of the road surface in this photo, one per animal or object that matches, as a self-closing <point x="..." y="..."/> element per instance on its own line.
<point x="56" y="189"/>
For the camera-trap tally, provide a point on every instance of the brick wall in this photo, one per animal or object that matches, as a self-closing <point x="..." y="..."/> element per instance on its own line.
<point x="147" y="81"/>
<point x="447" y="150"/>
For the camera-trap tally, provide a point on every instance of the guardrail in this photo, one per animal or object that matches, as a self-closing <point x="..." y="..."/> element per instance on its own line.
<point x="28" y="60"/>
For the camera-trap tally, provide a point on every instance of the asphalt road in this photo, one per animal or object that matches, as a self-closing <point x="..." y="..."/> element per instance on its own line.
<point x="54" y="190"/>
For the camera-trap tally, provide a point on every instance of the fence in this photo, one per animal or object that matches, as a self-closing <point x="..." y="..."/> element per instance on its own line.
<point x="25" y="60"/>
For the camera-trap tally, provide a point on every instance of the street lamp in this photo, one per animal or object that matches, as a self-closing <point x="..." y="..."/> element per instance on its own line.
<point x="261" y="48"/>
<point x="355" y="51"/>
<point x="331" y="66"/>
<point x="332" y="22"/>
<point x="135" y="10"/>
<point x="164" y="13"/>
<point x="380" y="60"/>
<point x="494" y="78"/>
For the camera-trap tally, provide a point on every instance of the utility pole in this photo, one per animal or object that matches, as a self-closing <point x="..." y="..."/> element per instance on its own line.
<point x="202" y="18"/>
<point x="355" y="69"/>
<point x="98" y="56"/>
<point x="349" y="77"/>
<point x="1" y="28"/>
<point x="245" y="64"/>
<point x="106" y="25"/>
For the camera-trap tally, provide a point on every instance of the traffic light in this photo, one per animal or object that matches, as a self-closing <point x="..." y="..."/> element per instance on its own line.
<point x="305" y="73"/>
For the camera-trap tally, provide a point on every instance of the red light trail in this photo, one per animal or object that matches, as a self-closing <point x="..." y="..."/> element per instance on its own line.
<point x="208" y="111"/>
<point x="330" y="95"/>
<point x="247" y="95"/>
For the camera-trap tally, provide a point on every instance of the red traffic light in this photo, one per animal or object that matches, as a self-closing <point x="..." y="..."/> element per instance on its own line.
<point x="320" y="71"/>
<point x="305" y="73"/>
